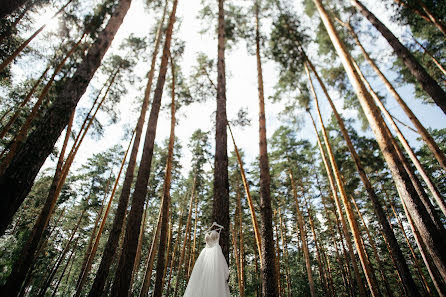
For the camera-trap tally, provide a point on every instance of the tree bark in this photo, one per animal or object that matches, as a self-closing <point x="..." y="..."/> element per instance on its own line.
<point x="401" y="265"/>
<point x="371" y="279"/>
<point x="361" y="288"/>
<point x="429" y="85"/>
<point x="159" y="278"/>
<point x="432" y="237"/>
<point x="425" y="135"/>
<point x="121" y="283"/>
<point x="303" y="235"/>
<point x="430" y="185"/>
<point x="115" y="233"/>
<point x="84" y="273"/>
<point x="249" y="198"/>
<point x="269" y="275"/>
<point x="220" y="208"/>
<point x="25" y="261"/>
<point x="16" y="181"/>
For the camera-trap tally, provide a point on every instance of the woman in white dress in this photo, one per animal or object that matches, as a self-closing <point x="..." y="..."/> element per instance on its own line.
<point x="210" y="274"/>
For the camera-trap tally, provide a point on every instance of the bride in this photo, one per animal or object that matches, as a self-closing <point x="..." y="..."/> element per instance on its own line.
<point x="210" y="274"/>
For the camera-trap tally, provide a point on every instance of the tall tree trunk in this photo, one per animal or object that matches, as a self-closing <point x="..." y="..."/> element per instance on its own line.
<point x="16" y="181"/>
<point x="412" y="251"/>
<point x="241" y="242"/>
<point x="172" y="261"/>
<point x="283" y="238"/>
<point x="303" y="235"/>
<point x="63" y="253"/>
<point x="11" y="58"/>
<point x="249" y="198"/>
<point x="269" y="275"/>
<point x="431" y="236"/>
<point x="425" y="135"/>
<point x="192" y="259"/>
<point x="151" y="258"/>
<point x="115" y="233"/>
<point x="139" y="248"/>
<point x="371" y="279"/>
<point x="84" y="273"/>
<point x="429" y="85"/>
<point x="159" y="278"/>
<point x="400" y="264"/>
<point x="25" y="261"/>
<point x="9" y="6"/>
<point x="220" y="208"/>
<point x="375" y="251"/>
<point x="435" y="193"/>
<point x="186" y="240"/>
<point x="340" y="214"/>
<point x="59" y="281"/>
<point x="323" y="277"/>
<point x="121" y="283"/>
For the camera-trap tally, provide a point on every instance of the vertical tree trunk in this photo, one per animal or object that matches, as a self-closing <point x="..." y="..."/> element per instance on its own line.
<point x="283" y="237"/>
<point x="435" y="193"/>
<point x="151" y="258"/>
<point x="186" y="239"/>
<point x="172" y="261"/>
<point x="412" y="252"/>
<point x="16" y="181"/>
<point x="269" y="275"/>
<point x="84" y="273"/>
<point x="241" y="242"/>
<point x="341" y="215"/>
<point x="429" y="85"/>
<point x="159" y="279"/>
<point x="432" y="237"/>
<point x="427" y="138"/>
<point x="323" y="277"/>
<point x="276" y="241"/>
<point x="115" y="233"/>
<point x="375" y="251"/>
<point x="139" y="248"/>
<point x="400" y="264"/>
<point x="220" y="209"/>
<point x="24" y="263"/>
<point x="351" y="219"/>
<point x="303" y="236"/>
<point x="249" y="198"/>
<point x="73" y="251"/>
<point x="192" y="260"/>
<point x="121" y="283"/>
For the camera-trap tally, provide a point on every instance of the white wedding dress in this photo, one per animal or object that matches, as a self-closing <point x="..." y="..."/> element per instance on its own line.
<point x="208" y="278"/>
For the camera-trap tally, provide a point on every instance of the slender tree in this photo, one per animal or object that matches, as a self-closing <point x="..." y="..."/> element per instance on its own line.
<point x="115" y="233"/>
<point x="220" y="208"/>
<point x="401" y="265"/>
<point x="422" y="76"/>
<point x="121" y="282"/>
<point x="16" y="181"/>
<point x="159" y="279"/>
<point x="432" y="237"/>
<point x="269" y="275"/>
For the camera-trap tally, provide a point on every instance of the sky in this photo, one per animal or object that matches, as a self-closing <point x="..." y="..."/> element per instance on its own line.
<point x="241" y="86"/>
